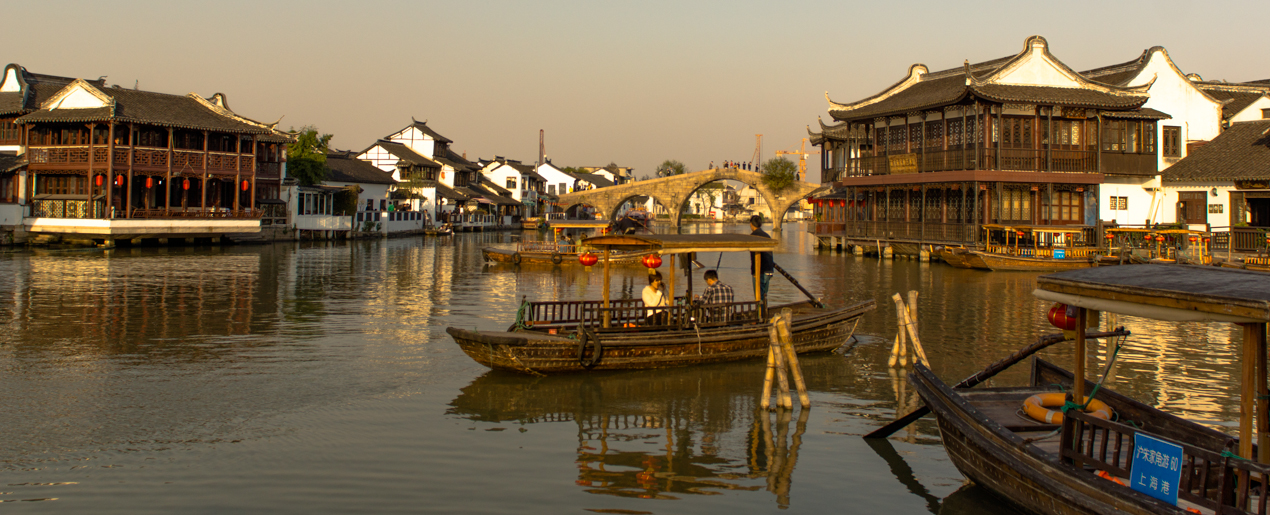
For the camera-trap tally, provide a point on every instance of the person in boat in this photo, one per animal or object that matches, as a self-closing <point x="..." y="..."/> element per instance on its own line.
<point x="766" y="265"/>
<point x="654" y="297"/>
<point x="716" y="293"/>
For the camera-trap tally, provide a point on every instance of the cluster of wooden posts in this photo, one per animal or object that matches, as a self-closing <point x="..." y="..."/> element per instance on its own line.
<point x="906" y="322"/>
<point x="782" y="362"/>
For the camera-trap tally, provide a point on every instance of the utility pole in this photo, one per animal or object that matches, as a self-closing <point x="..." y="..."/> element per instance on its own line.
<point x="542" y="150"/>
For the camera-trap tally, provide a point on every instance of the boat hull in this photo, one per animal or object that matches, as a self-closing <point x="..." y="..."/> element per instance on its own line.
<point x="992" y="261"/>
<point x="954" y="257"/>
<point x="536" y="352"/>
<point x="1015" y="469"/>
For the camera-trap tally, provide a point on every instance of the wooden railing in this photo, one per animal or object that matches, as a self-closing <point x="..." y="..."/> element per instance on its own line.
<point x="245" y="213"/>
<point x="1032" y="160"/>
<point x="144" y="158"/>
<point x="591" y="313"/>
<point x="1044" y="252"/>
<point x="1209" y="477"/>
<point x="915" y="231"/>
<point x="67" y="209"/>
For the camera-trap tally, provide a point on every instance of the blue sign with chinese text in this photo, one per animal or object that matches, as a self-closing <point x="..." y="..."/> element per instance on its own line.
<point x="1060" y="253"/>
<point x="1157" y="467"/>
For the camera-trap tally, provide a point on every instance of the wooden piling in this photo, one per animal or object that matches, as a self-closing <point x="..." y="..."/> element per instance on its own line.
<point x="785" y="332"/>
<point x="907" y="326"/>
<point x="770" y="373"/>
<point x="782" y="378"/>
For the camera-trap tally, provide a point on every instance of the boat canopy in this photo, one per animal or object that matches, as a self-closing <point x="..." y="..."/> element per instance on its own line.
<point x="577" y="224"/>
<point x="683" y="243"/>
<point x="1164" y="292"/>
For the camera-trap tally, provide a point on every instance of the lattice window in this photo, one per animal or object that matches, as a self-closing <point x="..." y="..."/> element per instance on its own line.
<point x="973" y="131"/>
<point x="935" y="135"/>
<point x="1172" y="141"/>
<point x="954" y="132"/>
<point x="898" y="135"/>
<point x="915" y="136"/>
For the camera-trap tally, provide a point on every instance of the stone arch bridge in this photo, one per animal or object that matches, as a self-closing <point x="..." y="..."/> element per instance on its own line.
<point x="673" y="193"/>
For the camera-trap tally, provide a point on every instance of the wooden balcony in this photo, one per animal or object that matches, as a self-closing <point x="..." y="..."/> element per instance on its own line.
<point x="142" y="159"/>
<point x="1021" y="160"/>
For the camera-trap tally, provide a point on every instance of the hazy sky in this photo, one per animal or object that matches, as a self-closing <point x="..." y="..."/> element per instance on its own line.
<point x="627" y="82"/>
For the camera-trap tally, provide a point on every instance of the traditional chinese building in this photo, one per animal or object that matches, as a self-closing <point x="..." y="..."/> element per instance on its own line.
<point x="83" y="150"/>
<point x="1022" y="139"/>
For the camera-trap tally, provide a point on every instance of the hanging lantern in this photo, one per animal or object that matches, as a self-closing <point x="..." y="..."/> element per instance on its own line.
<point x="118" y="180"/>
<point x="101" y="179"/>
<point x="652" y="260"/>
<point x="1019" y="234"/>
<point x="185" y="185"/>
<point x="1159" y="238"/>
<point x="588" y="259"/>
<point x="1058" y="317"/>
<point x="245" y="185"/>
<point x="149" y="182"/>
<point x="1109" y="236"/>
<point x="1194" y="238"/>
<point x="1147" y="237"/>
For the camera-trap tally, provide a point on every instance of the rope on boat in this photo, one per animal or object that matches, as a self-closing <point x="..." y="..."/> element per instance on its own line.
<point x="1106" y="372"/>
<point x="520" y="314"/>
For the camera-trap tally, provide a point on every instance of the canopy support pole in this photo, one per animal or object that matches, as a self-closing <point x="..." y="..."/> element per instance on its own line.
<point x="607" y="314"/>
<point x="1263" y="399"/>
<point x="758" y="289"/>
<point x="1078" y="381"/>
<point x="1254" y="338"/>
<point x="670" y="284"/>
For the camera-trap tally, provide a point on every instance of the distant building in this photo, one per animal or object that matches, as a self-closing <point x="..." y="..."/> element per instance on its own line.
<point x="80" y="149"/>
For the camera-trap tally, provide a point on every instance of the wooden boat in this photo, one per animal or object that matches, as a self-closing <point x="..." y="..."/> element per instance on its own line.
<point x="1026" y="463"/>
<point x="577" y="336"/>
<point x="1050" y="248"/>
<point x="559" y="251"/>
<point x="955" y="256"/>
<point x="443" y="230"/>
<point x="1158" y="246"/>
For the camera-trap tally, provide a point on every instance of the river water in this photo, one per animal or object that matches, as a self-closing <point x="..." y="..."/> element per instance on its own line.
<point x="318" y="377"/>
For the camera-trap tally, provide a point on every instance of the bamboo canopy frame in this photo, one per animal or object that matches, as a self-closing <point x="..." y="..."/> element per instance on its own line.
<point x="672" y="244"/>
<point x="1181" y="293"/>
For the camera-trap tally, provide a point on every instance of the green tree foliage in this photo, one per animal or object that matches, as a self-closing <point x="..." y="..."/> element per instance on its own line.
<point x="671" y="167"/>
<point x="779" y="174"/>
<point x="345" y="201"/>
<point x="306" y="158"/>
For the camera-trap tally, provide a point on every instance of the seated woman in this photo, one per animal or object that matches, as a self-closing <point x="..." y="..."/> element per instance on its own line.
<point x="654" y="297"/>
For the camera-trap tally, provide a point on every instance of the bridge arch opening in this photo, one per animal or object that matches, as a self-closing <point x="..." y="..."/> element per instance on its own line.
<point x="653" y="205"/>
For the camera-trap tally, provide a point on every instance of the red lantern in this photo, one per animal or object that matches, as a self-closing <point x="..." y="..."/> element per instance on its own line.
<point x="842" y="203"/>
<point x="1058" y="317"/>
<point x="1159" y="238"/>
<point x="101" y="179"/>
<point x="1019" y="234"/>
<point x="1147" y="237"/>
<point x="118" y="180"/>
<point x="652" y="260"/>
<point x="185" y="185"/>
<point x="149" y="182"/>
<point x="588" y="259"/>
<point x="1109" y="236"/>
<point x="244" y="185"/>
<point x="1194" y="238"/>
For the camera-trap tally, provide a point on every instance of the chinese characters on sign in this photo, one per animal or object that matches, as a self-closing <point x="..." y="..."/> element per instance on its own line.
<point x="1157" y="467"/>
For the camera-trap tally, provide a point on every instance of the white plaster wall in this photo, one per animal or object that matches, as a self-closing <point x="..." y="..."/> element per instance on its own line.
<point x="1139" y="199"/>
<point x="554" y="177"/>
<point x="10" y="83"/>
<point x="382" y="159"/>
<point x="419" y="142"/>
<point x="323" y="222"/>
<point x="1253" y="111"/>
<point x="500" y="175"/>
<point x="11" y="214"/>
<point x="79" y="98"/>
<point x="1198" y="116"/>
<point x="1036" y="69"/>
<point x="1223" y="197"/>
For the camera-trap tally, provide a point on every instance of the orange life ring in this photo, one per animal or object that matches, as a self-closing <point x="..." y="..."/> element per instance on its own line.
<point x="1038" y="407"/>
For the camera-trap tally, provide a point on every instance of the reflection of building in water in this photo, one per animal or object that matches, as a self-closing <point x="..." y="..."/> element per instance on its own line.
<point x="707" y="436"/>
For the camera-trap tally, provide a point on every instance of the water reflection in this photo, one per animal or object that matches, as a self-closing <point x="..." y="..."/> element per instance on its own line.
<point x="656" y="434"/>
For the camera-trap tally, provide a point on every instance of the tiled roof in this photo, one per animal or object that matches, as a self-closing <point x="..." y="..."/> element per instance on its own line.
<point x="1119" y="74"/>
<point x="1142" y="113"/>
<point x="1237" y="99"/>
<point x="423" y="127"/>
<point x="343" y="167"/>
<point x="8" y="162"/>
<point x="447" y="192"/>
<point x="921" y="90"/>
<point x="599" y="181"/>
<point x="1241" y="152"/>
<point x="404" y="153"/>
<point x="38" y="88"/>
<point x="181" y="111"/>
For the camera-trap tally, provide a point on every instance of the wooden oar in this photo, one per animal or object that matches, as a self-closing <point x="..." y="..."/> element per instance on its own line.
<point x="985" y="374"/>
<point x="814" y="301"/>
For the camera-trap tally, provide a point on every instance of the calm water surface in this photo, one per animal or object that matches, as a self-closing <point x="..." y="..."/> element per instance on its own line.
<point x="300" y="378"/>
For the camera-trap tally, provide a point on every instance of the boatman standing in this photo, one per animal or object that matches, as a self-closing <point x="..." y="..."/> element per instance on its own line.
<point x="766" y="266"/>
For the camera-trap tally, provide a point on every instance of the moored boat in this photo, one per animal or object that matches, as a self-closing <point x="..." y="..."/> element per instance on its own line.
<point x="559" y="250"/>
<point x="955" y="256"/>
<point x="575" y="336"/>
<point x="1032" y="248"/>
<point x="1088" y="464"/>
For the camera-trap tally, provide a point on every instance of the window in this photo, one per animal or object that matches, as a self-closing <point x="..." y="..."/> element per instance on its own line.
<point x="1114" y="138"/>
<point x="1119" y="204"/>
<point x="1017" y="132"/>
<point x="1192" y="207"/>
<point x="511" y="183"/>
<point x="1265" y="114"/>
<point x="1066" y="206"/>
<point x="1171" y="143"/>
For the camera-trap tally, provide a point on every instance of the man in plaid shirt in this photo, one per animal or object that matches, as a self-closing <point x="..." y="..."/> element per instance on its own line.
<point x="716" y="293"/>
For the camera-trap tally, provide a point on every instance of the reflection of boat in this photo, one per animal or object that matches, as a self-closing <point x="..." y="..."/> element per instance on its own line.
<point x="557" y="251"/>
<point x="574" y="336"/>
<point x="1052" y="468"/>
<point x="618" y="414"/>
<point x="1045" y="249"/>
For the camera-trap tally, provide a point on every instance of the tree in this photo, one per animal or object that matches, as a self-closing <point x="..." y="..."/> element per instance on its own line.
<point x="306" y="158"/>
<point x="779" y="174"/>
<point x="671" y="167"/>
